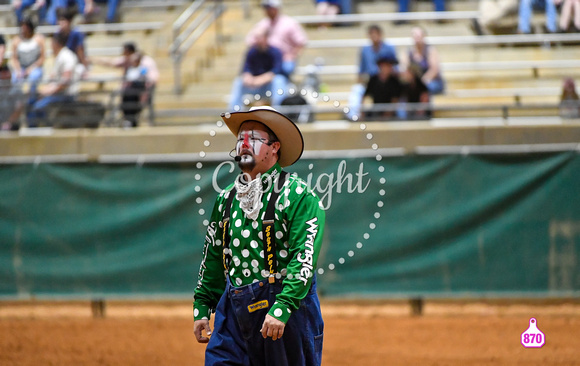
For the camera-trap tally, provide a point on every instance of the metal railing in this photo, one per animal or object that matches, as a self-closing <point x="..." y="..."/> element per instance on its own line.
<point x="497" y="113"/>
<point x="199" y="16"/>
<point x="381" y="17"/>
<point x="510" y="39"/>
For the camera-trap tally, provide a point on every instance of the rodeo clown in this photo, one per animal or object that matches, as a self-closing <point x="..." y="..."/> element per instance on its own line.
<point x="260" y="253"/>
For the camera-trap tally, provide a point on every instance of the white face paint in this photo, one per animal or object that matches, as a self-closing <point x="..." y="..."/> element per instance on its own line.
<point x="250" y="143"/>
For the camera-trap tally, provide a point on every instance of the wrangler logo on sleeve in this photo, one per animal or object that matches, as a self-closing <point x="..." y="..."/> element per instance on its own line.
<point x="306" y="257"/>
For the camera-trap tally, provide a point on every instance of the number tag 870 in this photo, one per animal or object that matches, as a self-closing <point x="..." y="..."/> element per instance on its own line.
<point x="533" y="337"/>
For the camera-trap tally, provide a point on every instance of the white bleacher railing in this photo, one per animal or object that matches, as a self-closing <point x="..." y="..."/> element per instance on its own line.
<point x="377" y="17"/>
<point x="542" y="39"/>
<point x="533" y="65"/>
<point x="92" y="28"/>
<point x="201" y="15"/>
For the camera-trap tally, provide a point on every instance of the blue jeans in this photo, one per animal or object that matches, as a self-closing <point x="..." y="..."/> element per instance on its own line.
<point x="436" y="86"/>
<point x="404" y="5"/>
<point x="37" y="111"/>
<point x="239" y="90"/>
<point x="33" y="78"/>
<point x="288" y="67"/>
<point x="27" y="4"/>
<point x="112" y="6"/>
<point x="525" y="14"/>
<point x="236" y="338"/>
<point x="55" y="4"/>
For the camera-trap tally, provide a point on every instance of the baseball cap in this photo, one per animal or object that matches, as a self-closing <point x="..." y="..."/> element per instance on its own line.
<point x="271" y="3"/>
<point x="388" y="59"/>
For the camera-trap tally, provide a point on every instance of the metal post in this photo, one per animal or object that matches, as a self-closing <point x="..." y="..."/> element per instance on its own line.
<point x="218" y="22"/>
<point x="416" y="306"/>
<point x="246" y="8"/>
<point x="177" y="73"/>
<point x="98" y="308"/>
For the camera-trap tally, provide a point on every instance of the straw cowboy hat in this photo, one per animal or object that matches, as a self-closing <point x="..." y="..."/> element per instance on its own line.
<point x="291" y="141"/>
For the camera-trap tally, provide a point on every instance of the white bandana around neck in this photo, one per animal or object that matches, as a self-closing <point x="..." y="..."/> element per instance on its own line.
<point x="249" y="195"/>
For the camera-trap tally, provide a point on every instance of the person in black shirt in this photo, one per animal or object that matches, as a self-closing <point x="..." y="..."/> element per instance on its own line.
<point x="2" y="49"/>
<point x="9" y="96"/>
<point x="384" y="88"/>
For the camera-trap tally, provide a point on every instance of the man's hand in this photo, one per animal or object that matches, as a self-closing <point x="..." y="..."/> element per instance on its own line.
<point x="198" y="327"/>
<point x="249" y="80"/>
<point x="272" y="327"/>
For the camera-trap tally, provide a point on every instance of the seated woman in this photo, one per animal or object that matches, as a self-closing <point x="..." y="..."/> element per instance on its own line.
<point x="570" y="11"/>
<point x="27" y="56"/>
<point x="569" y="101"/>
<point x="26" y="62"/>
<point x="425" y="59"/>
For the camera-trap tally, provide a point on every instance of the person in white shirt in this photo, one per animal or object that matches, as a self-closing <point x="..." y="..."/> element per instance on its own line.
<point x="63" y="85"/>
<point x="151" y="78"/>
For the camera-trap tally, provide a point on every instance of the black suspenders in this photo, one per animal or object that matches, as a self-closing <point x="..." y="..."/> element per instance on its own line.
<point x="268" y="232"/>
<point x="227" y="256"/>
<point x="268" y="235"/>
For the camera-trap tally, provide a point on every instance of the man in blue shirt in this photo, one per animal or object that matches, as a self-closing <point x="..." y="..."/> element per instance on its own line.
<point x="75" y="38"/>
<point x="369" y="55"/>
<point x="261" y="75"/>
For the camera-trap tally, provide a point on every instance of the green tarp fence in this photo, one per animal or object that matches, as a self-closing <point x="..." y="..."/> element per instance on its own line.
<point x="416" y="225"/>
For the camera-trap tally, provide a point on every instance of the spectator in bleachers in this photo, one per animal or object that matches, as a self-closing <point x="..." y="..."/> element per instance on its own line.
<point x="413" y="91"/>
<point x="122" y="61"/>
<point x="27" y="60"/>
<point x="569" y="101"/>
<point x="425" y="59"/>
<point x="112" y="6"/>
<point x="404" y="7"/>
<point x="368" y="67"/>
<point x="63" y="85"/>
<point x="261" y="73"/>
<point x="20" y="7"/>
<point x="9" y="97"/>
<point x="526" y="12"/>
<point x="73" y="6"/>
<point x="491" y="15"/>
<point x="569" y="7"/>
<point x="284" y="33"/>
<point x="147" y="62"/>
<point x="384" y="87"/>
<point x="2" y="50"/>
<point x="132" y="94"/>
<point x="27" y="57"/>
<point x="75" y="40"/>
<point x="328" y="8"/>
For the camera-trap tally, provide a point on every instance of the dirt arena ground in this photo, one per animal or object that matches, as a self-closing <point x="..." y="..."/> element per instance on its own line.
<point x="355" y="334"/>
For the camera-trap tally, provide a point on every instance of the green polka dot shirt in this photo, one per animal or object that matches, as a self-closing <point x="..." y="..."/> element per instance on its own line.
<point x="299" y="227"/>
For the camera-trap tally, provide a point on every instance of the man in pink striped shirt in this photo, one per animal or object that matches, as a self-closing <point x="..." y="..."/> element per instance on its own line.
<point x="285" y="33"/>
